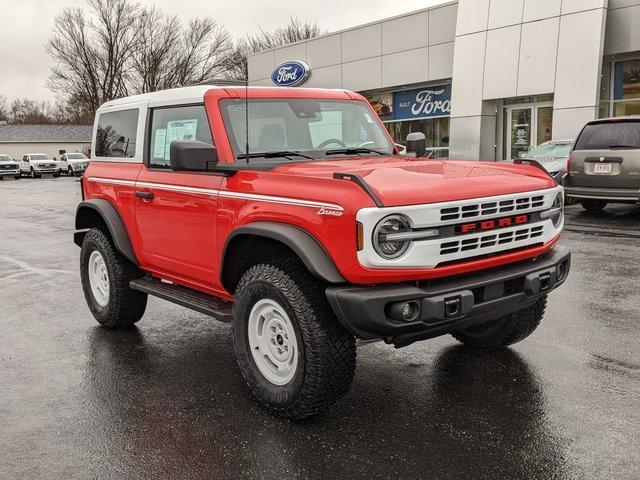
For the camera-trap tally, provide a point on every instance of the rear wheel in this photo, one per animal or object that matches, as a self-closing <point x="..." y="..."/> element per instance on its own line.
<point x="593" y="205"/>
<point x="506" y="330"/>
<point x="105" y="275"/>
<point x="294" y="355"/>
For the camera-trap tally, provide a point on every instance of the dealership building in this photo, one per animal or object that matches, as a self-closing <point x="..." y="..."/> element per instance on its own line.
<point x="482" y="79"/>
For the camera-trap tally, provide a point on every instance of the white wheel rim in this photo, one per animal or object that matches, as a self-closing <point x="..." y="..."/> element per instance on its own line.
<point x="99" y="278"/>
<point x="273" y="342"/>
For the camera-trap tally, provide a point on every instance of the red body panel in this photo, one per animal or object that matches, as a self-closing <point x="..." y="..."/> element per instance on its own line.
<point x="180" y="235"/>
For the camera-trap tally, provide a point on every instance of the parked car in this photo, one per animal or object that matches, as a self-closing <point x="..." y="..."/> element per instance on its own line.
<point x="9" y="167"/>
<point x="316" y="235"/>
<point x="604" y="166"/>
<point x="36" y="164"/>
<point x="74" y="163"/>
<point x="552" y="156"/>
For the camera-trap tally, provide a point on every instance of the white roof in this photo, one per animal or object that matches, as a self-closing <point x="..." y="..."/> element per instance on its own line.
<point x="186" y="94"/>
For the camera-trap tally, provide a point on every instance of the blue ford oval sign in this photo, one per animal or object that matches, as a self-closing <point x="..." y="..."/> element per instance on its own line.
<point x="290" y="74"/>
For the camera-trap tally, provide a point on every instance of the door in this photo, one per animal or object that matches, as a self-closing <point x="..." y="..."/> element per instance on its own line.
<point x="520" y="132"/>
<point x="176" y="211"/>
<point x="527" y="126"/>
<point x="24" y="164"/>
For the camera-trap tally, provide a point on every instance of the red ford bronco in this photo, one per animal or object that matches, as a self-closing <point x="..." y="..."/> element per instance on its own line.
<point x="289" y="213"/>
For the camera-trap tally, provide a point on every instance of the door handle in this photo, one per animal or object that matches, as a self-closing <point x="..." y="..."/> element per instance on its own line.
<point x="144" y="195"/>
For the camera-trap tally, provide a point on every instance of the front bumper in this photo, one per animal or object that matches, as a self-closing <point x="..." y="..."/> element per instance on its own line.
<point x="625" y="195"/>
<point x="9" y="173"/>
<point x="447" y="305"/>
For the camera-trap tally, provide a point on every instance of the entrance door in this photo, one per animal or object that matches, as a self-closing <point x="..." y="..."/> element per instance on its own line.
<point x="527" y="126"/>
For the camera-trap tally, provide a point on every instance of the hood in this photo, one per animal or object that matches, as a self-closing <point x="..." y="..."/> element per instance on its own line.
<point x="552" y="164"/>
<point x="8" y="162"/>
<point x="40" y="162"/>
<point x="403" y="181"/>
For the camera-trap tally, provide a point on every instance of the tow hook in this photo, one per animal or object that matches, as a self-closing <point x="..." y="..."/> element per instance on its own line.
<point x="540" y="282"/>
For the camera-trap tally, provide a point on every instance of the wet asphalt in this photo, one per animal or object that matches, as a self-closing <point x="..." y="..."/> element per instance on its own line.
<point x="165" y="399"/>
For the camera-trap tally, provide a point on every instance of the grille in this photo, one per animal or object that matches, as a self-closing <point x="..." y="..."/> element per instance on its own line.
<point x="480" y="210"/>
<point x="8" y="167"/>
<point x="491" y="240"/>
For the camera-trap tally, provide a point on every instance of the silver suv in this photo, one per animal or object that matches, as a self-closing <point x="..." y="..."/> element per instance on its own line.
<point x="604" y="166"/>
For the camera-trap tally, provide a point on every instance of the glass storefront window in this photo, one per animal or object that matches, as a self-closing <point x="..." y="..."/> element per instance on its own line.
<point x="435" y="129"/>
<point x="605" y="81"/>
<point x="627" y="80"/>
<point x="545" y="124"/>
<point x="623" y="109"/>
<point x="603" y="111"/>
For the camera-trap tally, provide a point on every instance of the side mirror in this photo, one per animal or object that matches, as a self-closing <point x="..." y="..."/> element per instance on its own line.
<point x="417" y="143"/>
<point x="192" y="156"/>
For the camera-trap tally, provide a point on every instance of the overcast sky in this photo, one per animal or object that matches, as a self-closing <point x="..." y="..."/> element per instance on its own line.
<point x="25" y="26"/>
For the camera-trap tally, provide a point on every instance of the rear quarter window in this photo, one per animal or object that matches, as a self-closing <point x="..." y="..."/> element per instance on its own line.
<point x="116" y="134"/>
<point x="605" y="136"/>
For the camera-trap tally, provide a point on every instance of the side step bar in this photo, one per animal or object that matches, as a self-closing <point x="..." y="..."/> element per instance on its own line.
<point x="198" y="301"/>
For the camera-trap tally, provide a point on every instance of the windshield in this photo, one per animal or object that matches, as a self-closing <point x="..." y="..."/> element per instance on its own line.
<point x="548" y="150"/>
<point x="39" y="157"/>
<point x="5" y="158"/>
<point x="76" y="156"/>
<point x="314" y="128"/>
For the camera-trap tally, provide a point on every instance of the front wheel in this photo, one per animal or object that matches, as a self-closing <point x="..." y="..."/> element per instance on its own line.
<point x="34" y="174"/>
<point x="293" y="353"/>
<point x="593" y="205"/>
<point x="17" y="177"/>
<point x="70" y="172"/>
<point x="105" y="275"/>
<point x="506" y="330"/>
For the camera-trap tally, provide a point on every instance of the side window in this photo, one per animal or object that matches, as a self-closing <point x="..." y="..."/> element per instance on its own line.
<point x="25" y="158"/>
<point x="176" y="124"/>
<point x="116" y="135"/>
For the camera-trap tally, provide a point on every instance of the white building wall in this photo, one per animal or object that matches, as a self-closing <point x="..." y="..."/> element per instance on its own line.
<point x="413" y="48"/>
<point x="18" y="149"/>
<point x="623" y="27"/>
<point x="510" y="48"/>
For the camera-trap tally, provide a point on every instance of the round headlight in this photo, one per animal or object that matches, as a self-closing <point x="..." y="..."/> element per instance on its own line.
<point x="556" y="212"/>
<point x="383" y="234"/>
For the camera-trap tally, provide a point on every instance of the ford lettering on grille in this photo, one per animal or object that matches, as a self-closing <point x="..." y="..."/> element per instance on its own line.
<point x="492" y="224"/>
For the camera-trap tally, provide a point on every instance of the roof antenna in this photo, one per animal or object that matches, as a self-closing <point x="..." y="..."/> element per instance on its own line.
<point x="246" y="107"/>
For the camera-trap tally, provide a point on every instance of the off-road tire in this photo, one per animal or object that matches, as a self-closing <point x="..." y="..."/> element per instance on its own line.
<point x="125" y="306"/>
<point x="505" y="331"/>
<point x="593" y="205"/>
<point x="326" y="351"/>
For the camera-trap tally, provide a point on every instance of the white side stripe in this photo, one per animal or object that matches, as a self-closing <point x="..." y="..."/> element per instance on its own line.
<point x="223" y="193"/>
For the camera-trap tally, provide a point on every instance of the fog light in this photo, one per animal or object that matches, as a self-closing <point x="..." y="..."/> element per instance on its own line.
<point x="409" y="311"/>
<point x="560" y="272"/>
<point x="405" y="311"/>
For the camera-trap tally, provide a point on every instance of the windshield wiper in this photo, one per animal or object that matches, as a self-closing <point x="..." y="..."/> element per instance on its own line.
<point x="283" y="153"/>
<point x="354" y="151"/>
<point x="623" y="146"/>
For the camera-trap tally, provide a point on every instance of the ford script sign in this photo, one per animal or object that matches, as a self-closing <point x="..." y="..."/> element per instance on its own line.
<point x="290" y="74"/>
<point x="422" y="103"/>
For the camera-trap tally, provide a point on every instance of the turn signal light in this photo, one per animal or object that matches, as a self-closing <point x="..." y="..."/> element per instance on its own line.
<point x="359" y="236"/>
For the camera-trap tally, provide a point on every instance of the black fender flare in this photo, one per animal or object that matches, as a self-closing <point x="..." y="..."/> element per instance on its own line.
<point x="112" y="220"/>
<point x="305" y="246"/>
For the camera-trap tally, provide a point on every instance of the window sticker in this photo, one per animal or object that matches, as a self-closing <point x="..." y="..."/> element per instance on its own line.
<point x="160" y="143"/>
<point x="179" y="130"/>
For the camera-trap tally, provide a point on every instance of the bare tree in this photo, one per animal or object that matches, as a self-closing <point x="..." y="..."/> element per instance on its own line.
<point x="170" y="55"/>
<point x="294" y="31"/>
<point x="93" y="52"/>
<point x="29" y="111"/>
<point x="4" y="109"/>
